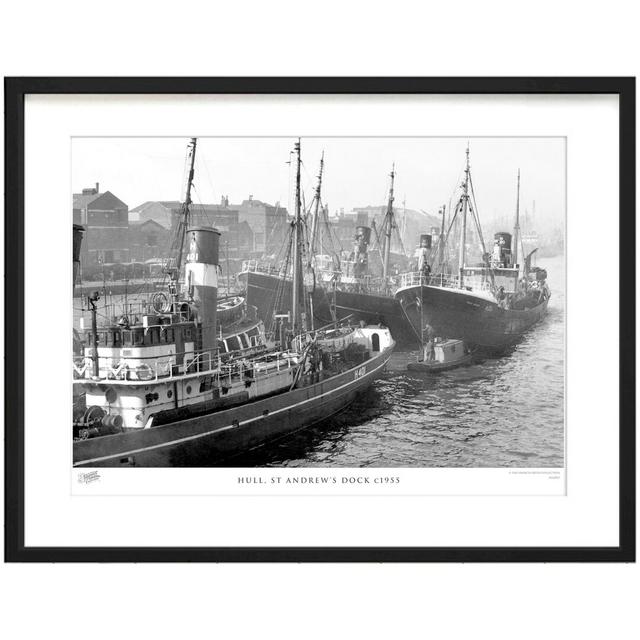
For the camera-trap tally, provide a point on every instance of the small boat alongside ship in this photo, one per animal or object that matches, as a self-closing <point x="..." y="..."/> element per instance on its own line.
<point x="162" y="386"/>
<point x="442" y="355"/>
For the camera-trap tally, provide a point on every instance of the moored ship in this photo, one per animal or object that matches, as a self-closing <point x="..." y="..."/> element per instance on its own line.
<point x="489" y="305"/>
<point x="161" y="390"/>
<point x="342" y="289"/>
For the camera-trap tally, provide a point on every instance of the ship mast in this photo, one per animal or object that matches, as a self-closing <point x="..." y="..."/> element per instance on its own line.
<point x="297" y="223"/>
<point x="388" y="228"/>
<point x="404" y="219"/>
<point x="441" y="241"/>
<point x="315" y="222"/>
<point x="183" y="224"/>
<point x="516" y="228"/>
<point x="463" y="226"/>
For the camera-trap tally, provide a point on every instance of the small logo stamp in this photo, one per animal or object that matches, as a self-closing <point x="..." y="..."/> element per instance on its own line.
<point x="88" y="477"/>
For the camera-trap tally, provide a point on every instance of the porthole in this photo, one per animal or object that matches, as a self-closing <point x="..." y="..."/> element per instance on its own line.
<point x="188" y="389"/>
<point x="169" y="393"/>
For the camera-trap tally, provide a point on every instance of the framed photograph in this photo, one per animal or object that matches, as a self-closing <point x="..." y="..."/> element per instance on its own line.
<point x="320" y="319"/>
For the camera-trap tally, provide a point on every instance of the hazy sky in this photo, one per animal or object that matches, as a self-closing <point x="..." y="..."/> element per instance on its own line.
<point x="356" y="171"/>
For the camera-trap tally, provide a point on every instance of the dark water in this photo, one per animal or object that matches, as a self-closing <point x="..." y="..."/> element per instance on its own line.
<point x="502" y="412"/>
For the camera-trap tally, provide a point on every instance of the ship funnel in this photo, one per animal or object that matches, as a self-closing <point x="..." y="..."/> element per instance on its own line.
<point x="425" y="241"/>
<point x="201" y="277"/>
<point x="363" y="234"/>
<point x="503" y="239"/>
<point x="78" y="231"/>
<point x="360" y="259"/>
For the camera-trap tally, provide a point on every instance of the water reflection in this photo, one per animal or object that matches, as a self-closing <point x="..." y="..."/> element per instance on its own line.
<point x="500" y="412"/>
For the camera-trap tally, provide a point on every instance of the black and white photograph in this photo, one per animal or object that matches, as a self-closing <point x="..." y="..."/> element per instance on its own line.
<point x="326" y="302"/>
<point x="320" y="320"/>
<point x="381" y="323"/>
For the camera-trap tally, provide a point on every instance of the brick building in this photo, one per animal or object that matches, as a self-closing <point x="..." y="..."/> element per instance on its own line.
<point x="268" y="223"/>
<point x="237" y="235"/>
<point x="148" y="240"/>
<point x="106" y="221"/>
<point x="160" y="211"/>
<point x="167" y="213"/>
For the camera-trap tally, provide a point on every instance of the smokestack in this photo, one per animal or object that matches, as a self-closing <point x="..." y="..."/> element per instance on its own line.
<point x="97" y="187"/>
<point x="201" y="274"/>
<point x="363" y="233"/>
<point x="78" y="230"/>
<point x="361" y="266"/>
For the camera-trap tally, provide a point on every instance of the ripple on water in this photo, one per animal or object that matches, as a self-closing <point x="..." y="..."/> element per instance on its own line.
<point x="500" y="412"/>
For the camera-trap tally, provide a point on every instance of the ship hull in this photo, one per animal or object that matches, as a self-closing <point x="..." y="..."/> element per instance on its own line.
<point x="457" y="314"/>
<point x="272" y="295"/>
<point x="214" y="438"/>
<point x="436" y="367"/>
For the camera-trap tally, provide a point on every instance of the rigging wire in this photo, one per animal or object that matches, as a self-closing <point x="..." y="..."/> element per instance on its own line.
<point x="476" y="215"/>
<point x="200" y="162"/>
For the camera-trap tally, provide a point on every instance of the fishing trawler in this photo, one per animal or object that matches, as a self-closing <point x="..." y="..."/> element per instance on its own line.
<point x="161" y="391"/>
<point x="342" y="288"/>
<point x="489" y="305"/>
<point x="161" y="293"/>
<point x="268" y="285"/>
<point x="355" y="291"/>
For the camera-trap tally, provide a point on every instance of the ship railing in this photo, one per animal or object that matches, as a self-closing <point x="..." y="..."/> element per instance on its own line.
<point x="119" y="309"/>
<point x="362" y="284"/>
<point x="418" y="278"/>
<point x="259" y="266"/>
<point x="147" y="368"/>
<point x="175" y="366"/>
<point x="132" y="314"/>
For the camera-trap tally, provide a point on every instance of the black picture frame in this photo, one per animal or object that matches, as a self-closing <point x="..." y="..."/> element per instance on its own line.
<point x="15" y="91"/>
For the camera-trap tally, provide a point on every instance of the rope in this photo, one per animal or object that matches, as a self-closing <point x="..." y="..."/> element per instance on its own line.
<point x="406" y="315"/>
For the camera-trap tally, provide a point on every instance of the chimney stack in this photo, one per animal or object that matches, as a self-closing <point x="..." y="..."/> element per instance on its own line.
<point x="78" y="230"/>
<point x="201" y="275"/>
<point x="97" y="187"/>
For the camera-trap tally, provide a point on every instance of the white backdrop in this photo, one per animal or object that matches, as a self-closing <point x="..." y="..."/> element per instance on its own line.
<point x="585" y="516"/>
